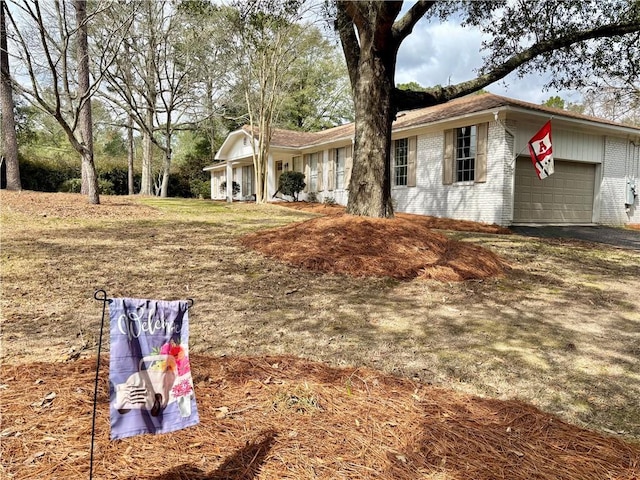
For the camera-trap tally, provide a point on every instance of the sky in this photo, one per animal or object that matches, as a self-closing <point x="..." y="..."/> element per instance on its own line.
<point x="446" y="53"/>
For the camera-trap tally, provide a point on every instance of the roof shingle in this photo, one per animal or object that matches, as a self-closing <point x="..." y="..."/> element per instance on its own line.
<point x="423" y="116"/>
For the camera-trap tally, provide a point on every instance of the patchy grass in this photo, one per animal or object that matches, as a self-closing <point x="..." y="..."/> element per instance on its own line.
<point x="559" y="330"/>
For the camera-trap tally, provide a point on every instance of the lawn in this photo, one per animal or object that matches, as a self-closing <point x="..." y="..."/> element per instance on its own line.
<point x="385" y="361"/>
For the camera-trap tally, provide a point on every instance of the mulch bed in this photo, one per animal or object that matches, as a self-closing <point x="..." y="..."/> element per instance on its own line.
<point x="404" y="247"/>
<point x="282" y="417"/>
<point x="66" y="205"/>
<point x="438" y="223"/>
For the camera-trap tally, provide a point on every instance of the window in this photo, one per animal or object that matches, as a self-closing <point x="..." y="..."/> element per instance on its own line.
<point x="247" y="180"/>
<point x="313" y="172"/>
<point x="297" y="164"/>
<point x="401" y="157"/>
<point x="465" y="154"/>
<point x="341" y="155"/>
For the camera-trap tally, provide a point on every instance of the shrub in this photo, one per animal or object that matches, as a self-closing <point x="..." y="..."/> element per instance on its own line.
<point x="178" y="186"/>
<point x="235" y="187"/>
<point x="291" y="183"/>
<point x="45" y="175"/>
<point x="200" y="188"/>
<point x="312" y="197"/>
<point x="73" y="185"/>
<point x="118" y="176"/>
<point x="329" y="201"/>
<point x="105" y="187"/>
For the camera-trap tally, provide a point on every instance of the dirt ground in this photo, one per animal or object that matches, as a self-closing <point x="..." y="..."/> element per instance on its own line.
<point x="305" y="374"/>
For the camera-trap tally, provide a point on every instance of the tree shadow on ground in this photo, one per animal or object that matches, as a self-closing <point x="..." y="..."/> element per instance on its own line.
<point x="245" y="464"/>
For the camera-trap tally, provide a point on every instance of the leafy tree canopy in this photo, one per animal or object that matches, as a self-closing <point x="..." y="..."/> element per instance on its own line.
<point x="554" y="102"/>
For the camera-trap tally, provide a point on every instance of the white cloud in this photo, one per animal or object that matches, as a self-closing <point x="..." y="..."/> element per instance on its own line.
<point x="446" y="53"/>
<point x="439" y="53"/>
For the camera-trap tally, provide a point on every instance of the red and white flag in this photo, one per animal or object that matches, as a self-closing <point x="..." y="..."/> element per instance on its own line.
<point x="541" y="151"/>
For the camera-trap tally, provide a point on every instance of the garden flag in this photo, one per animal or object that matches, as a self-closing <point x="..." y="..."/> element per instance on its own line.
<point x="541" y="151"/>
<point x="150" y="384"/>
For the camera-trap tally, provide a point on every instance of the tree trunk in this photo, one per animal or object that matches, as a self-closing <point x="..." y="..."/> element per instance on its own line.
<point x="150" y="95"/>
<point x="130" y="155"/>
<point x="147" y="156"/>
<point x="130" y="144"/>
<point x="210" y="124"/>
<point x="261" y="168"/>
<point x="164" y="189"/>
<point x="89" y="174"/>
<point x="370" y="186"/>
<point x="371" y="60"/>
<point x="9" y="147"/>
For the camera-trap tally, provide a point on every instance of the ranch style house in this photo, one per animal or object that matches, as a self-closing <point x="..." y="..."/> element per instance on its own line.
<point x="467" y="159"/>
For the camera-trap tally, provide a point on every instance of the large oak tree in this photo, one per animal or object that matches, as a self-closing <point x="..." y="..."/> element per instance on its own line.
<point x="571" y="40"/>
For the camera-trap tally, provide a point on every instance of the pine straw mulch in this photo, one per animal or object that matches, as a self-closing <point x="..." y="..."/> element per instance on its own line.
<point x="438" y="223"/>
<point x="404" y="247"/>
<point x="66" y="205"/>
<point x="282" y="417"/>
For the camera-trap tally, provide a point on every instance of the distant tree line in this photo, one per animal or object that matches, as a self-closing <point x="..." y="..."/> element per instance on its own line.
<point x="157" y="86"/>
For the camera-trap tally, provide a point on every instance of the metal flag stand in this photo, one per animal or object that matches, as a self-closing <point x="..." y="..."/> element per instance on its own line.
<point x="101" y="296"/>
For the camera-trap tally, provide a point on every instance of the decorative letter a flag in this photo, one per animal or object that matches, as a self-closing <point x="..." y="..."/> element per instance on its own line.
<point x="151" y="388"/>
<point x="541" y="151"/>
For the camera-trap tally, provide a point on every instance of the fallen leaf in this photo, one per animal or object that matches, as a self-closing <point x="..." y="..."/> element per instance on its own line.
<point x="46" y="401"/>
<point x="222" y="412"/>
<point x="33" y="457"/>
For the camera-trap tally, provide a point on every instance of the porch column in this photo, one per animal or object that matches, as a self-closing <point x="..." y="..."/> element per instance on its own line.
<point x="229" y="182"/>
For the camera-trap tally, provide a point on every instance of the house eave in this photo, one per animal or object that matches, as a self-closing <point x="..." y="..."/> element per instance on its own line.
<point x="602" y="127"/>
<point x="619" y="129"/>
<point x="449" y="120"/>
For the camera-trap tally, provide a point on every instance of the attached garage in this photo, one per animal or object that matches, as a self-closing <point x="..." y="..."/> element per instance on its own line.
<point x="564" y="197"/>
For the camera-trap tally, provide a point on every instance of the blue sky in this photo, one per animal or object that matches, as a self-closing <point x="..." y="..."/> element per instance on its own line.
<point x="444" y="53"/>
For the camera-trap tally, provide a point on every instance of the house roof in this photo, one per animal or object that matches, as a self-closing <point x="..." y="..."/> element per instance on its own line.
<point x="485" y="102"/>
<point x="294" y="139"/>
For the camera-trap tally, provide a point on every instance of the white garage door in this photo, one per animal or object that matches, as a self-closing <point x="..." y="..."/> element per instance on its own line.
<point x="564" y="197"/>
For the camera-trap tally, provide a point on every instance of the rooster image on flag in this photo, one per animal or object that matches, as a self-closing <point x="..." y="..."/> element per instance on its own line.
<point x="541" y="151"/>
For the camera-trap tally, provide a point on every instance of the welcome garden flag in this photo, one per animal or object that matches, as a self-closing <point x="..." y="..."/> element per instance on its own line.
<point x="151" y="389"/>
<point x="541" y="151"/>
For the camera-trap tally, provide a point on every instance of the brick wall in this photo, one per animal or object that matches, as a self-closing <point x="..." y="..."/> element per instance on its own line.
<point x="482" y="202"/>
<point x="621" y="161"/>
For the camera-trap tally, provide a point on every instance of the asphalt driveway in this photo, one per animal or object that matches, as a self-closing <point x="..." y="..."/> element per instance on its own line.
<point x="618" y="237"/>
